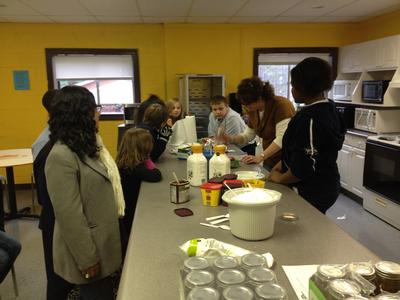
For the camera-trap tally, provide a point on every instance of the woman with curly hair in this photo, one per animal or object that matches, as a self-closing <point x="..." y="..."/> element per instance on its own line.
<point x="269" y="116"/>
<point x="85" y="190"/>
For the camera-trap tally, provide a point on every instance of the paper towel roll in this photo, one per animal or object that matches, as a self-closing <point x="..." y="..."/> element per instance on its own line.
<point x="190" y="129"/>
<point x="178" y="136"/>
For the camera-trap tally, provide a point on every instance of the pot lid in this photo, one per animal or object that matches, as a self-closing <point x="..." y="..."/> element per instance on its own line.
<point x="252" y="197"/>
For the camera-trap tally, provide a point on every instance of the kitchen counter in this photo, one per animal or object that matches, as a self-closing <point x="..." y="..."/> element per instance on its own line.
<point x="153" y="257"/>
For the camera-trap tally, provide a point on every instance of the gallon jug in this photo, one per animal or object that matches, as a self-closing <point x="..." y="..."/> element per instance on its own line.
<point x="197" y="166"/>
<point x="220" y="164"/>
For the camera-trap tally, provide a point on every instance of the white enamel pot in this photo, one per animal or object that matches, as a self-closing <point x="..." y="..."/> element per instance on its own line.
<point x="252" y="212"/>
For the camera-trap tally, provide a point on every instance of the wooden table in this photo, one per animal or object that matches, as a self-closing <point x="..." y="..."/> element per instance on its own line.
<point x="9" y="159"/>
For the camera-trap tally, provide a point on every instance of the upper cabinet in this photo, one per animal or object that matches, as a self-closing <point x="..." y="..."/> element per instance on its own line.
<point x="381" y="54"/>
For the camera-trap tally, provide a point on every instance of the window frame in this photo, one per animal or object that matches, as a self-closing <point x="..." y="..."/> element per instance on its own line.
<point x="134" y="53"/>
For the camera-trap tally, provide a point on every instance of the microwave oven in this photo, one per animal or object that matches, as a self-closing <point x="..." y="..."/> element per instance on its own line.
<point x="374" y="90"/>
<point x="342" y="90"/>
<point x="377" y="121"/>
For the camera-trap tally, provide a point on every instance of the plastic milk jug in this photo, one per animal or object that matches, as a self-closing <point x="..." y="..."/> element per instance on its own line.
<point x="220" y="164"/>
<point x="197" y="166"/>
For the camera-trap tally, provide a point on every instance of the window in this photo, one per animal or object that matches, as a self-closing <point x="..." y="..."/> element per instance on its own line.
<point x="110" y="75"/>
<point x="274" y="65"/>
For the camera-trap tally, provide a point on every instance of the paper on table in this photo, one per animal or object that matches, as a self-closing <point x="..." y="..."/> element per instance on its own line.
<point x="298" y="277"/>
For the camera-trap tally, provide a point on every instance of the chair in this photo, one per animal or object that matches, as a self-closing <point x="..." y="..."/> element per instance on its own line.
<point x="9" y="250"/>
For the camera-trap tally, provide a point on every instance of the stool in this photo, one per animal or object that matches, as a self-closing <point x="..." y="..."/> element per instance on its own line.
<point x="3" y="180"/>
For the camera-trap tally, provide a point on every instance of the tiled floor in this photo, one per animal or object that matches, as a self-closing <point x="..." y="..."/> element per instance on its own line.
<point x="375" y="234"/>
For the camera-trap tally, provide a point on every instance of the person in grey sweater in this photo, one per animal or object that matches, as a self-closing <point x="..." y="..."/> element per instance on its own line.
<point x="223" y="119"/>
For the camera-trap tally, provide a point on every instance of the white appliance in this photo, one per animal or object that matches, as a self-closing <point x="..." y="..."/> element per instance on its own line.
<point x="342" y="90"/>
<point x="377" y="121"/>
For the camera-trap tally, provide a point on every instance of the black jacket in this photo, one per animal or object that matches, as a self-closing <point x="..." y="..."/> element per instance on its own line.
<point x="310" y="148"/>
<point x="160" y="139"/>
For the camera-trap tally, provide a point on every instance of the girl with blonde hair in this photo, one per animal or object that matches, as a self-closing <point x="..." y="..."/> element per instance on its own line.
<point x="174" y="109"/>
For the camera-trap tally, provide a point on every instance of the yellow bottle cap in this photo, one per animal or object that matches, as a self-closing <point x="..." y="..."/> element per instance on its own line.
<point x="220" y="149"/>
<point x="197" y="148"/>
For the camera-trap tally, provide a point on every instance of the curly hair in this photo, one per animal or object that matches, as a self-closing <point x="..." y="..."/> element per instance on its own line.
<point x="251" y="89"/>
<point x="312" y="76"/>
<point x="72" y="121"/>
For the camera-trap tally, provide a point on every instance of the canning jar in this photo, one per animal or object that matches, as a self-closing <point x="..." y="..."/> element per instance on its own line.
<point x="261" y="275"/>
<point x="326" y="273"/>
<point x="342" y="289"/>
<point x="225" y="262"/>
<point x="252" y="260"/>
<point x="271" y="292"/>
<point x="195" y="263"/>
<point x="238" y="292"/>
<point x="199" y="278"/>
<point x="388" y="276"/>
<point x="203" y="293"/>
<point x="229" y="277"/>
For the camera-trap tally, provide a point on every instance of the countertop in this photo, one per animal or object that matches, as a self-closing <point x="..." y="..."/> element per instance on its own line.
<point x="153" y="258"/>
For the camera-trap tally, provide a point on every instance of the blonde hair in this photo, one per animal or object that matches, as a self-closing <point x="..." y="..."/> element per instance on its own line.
<point x="170" y="105"/>
<point x="134" y="149"/>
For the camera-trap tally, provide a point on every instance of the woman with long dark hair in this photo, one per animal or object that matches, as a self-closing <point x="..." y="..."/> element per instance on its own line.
<point x="86" y="196"/>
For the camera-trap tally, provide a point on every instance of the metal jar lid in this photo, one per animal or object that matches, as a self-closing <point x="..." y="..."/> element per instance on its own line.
<point x="388" y="269"/>
<point x="199" y="278"/>
<point x="252" y="260"/>
<point x="356" y="298"/>
<point x="231" y="276"/>
<point x="195" y="263"/>
<point x="271" y="291"/>
<point x="203" y="293"/>
<point x="363" y="269"/>
<point x="225" y="262"/>
<point x="238" y="292"/>
<point x="331" y="271"/>
<point x="261" y="275"/>
<point x="343" y="288"/>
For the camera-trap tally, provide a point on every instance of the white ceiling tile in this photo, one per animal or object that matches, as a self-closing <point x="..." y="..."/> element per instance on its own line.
<point x="213" y="8"/>
<point x="164" y="19"/>
<point x="249" y="19"/>
<point x="162" y="8"/>
<point x="266" y="8"/>
<point x="336" y="19"/>
<point x="28" y="19"/>
<point x="16" y="8"/>
<point x="73" y="19"/>
<point x="316" y="7"/>
<point x="116" y="20"/>
<point x="291" y="19"/>
<point x="111" y="8"/>
<point x="57" y="7"/>
<point x="367" y="8"/>
<point x="207" y="19"/>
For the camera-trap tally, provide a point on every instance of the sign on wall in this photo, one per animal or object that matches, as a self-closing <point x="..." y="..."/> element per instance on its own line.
<point x="21" y="80"/>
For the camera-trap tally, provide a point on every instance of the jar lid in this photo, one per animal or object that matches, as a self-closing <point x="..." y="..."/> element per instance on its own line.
<point x="363" y="269"/>
<point x="197" y="148"/>
<point x="203" y="293"/>
<point x="199" y="278"/>
<point x="388" y="297"/>
<point x="356" y="298"/>
<point x="238" y="292"/>
<point x="251" y="260"/>
<point x="271" y="291"/>
<point x="231" y="276"/>
<point x="262" y="275"/>
<point x="225" y="262"/>
<point x="344" y="287"/>
<point x="331" y="271"/>
<point x="196" y="263"/>
<point x="252" y="197"/>
<point x="220" y="149"/>
<point x="388" y="268"/>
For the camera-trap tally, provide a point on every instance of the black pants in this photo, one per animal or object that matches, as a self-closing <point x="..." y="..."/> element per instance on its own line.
<point x="98" y="290"/>
<point x="250" y="149"/>
<point x="9" y="250"/>
<point x="57" y="287"/>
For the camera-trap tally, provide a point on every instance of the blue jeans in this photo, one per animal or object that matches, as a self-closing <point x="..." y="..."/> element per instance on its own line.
<point x="9" y="250"/>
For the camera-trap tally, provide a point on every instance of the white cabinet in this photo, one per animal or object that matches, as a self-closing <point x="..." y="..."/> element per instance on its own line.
<point x="351" y="164"/>
<point x="390" y="52"/>
<point x="350" y="59"/>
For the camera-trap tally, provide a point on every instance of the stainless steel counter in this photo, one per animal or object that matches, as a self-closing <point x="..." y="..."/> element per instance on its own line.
<point x="153" y="258"/>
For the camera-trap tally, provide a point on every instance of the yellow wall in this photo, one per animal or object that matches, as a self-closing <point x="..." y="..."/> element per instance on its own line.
<point x="381" y="26"/>
<point x="164" y="51"/>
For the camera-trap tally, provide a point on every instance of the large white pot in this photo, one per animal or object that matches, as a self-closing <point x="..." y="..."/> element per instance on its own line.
<point x="252" y="212"/>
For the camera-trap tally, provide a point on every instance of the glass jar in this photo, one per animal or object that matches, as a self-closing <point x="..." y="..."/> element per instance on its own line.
<point x="261" y="275"/>
<point x="229" y="277"/>
<point x="325" y="273"/>
<point x="225" y="262"/>
<point x="271" y="292"/>
<point x="238" y="292"/>
<point x="252" y="260"/>
<point x="195" y="263"/>
<point x="342" y="289"/>
<point x="388" y="276"/>
<point x="203" y="293"/>
<point x="364" y="269"/>
<point x="199" y="278"/>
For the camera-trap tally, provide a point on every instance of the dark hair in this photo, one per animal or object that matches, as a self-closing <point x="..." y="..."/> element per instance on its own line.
<point x="155" y="115"/>
<point x="48" y="99"/>
<point x="153" y="99"/>
<point x="312" y="76"/>
<point x="72" y="121"/>
<point x="251" y="89"/>
<point x="218" y="99"/>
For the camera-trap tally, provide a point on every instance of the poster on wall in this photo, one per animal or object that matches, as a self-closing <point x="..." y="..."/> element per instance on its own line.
<point x="21" y="80"/>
